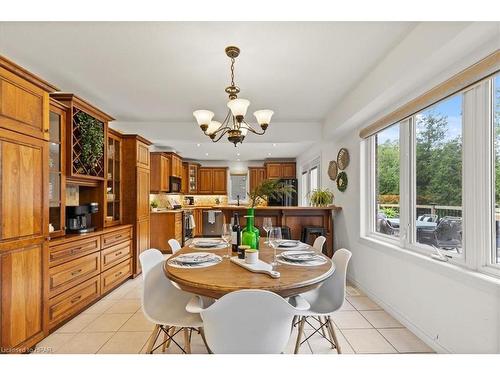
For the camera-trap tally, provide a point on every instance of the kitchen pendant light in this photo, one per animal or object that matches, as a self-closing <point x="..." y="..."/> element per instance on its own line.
<point x="234" y="124"/>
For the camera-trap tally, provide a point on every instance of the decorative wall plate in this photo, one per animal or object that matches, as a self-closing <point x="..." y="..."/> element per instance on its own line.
<point x="333" y="170"/>
<point x="343" y="158"/>
<point x="342" y="181"/>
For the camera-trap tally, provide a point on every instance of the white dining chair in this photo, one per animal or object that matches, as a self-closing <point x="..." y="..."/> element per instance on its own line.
<point x="174" y="245"/>
<point x="165" y="305"/>
<point x="247" y="322"/>
<point x="318" y="244"/>
<point x="324" y="301"/>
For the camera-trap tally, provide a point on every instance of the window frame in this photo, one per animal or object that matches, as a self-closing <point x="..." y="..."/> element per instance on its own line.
<point x="306" y="169"/>
<point x="478" y="184"/>
<point x="244" y="200"/>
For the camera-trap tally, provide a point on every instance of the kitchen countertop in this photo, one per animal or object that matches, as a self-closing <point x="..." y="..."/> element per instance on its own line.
<point x="297" y="208"/>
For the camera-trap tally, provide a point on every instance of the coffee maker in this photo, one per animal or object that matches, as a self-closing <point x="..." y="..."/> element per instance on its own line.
<point x="78" y="218"/>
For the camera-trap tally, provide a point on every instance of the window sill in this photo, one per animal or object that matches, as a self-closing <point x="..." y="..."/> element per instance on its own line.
<point x="486" y="281"/>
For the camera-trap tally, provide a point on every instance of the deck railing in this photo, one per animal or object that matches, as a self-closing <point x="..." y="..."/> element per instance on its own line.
<point x="433" y="209"/>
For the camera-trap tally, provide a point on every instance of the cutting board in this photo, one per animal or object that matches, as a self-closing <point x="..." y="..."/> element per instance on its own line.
<point x="259" y="267"/>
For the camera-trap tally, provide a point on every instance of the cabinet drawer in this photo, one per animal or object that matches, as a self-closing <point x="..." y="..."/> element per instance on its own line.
<point x="67" y="251"/>
<point x="73" y="300"/>
<point x="72" y="273"/>
<point x="115" y="254"/>
<point x="115" y="275"/>
<point x="118" y="236"/>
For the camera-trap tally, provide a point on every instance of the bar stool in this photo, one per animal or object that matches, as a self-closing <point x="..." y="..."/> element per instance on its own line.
<point x="286" y="233"/>
<point x="307" y="232"/>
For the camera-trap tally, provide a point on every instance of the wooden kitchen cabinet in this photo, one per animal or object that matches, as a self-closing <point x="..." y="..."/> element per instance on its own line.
<point x="185" y="178"/>
<point x="113" y="182"/>
<point x="257" y="175"/>
<point x="136" y="178"/>
<point x="193" y="178"/>
<point x="198" y="220"/>
<point x="176" y="165"/>
<point x="277" y="170"/>
<point x="166" y="225"/>
<point x="212" y="180"/>
<point x="160" y="172"/>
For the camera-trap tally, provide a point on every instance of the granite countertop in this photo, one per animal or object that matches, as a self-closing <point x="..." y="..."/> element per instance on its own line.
<point x="297" y="208"/>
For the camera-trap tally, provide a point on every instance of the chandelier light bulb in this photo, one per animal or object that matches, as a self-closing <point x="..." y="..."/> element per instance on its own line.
<point x="238" y="107"/>
<point x="213" y="126"/>
<point x="263" y="116"/>
<point x="203" y="117"/>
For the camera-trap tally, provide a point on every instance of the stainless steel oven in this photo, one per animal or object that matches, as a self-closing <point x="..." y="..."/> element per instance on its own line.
<point x="188" y="225"/>
<point x="212" y="223"/>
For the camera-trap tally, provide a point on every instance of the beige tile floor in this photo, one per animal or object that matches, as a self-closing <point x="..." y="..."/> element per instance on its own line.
<point x="116" y="324"/>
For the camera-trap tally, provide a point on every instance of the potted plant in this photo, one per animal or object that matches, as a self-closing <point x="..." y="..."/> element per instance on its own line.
<point x="92" y="139"/>
<point x="321" y="197"/>
<point x="266" y="189"/>
<point x="154" y="205"/>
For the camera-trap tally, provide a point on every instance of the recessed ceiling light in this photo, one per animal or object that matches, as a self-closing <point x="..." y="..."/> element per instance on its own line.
<point x="206" y="154"/>
<point x="238" y="154"/>
<point x="274" y="144"/>
<point x="198" y="145"/>
<point x="237" y="159"/>
<point x="269" y="154"/>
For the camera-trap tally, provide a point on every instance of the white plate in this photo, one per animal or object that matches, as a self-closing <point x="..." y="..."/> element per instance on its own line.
<point x="289" y="243"/>
<point x="299" y="255"/>
<point x="195" y="258"/>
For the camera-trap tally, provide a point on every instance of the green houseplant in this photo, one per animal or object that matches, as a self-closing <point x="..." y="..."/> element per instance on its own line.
<point x="321" y="197"/>
<point x="92" y="139"/>
<point x="154" y="205"/>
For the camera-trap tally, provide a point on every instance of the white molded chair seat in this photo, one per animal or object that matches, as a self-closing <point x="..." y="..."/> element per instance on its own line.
<point x="162" y="303"/>
<point x="326" y="299"/>
<point x="174" y="245"/>
<point x="319" y="243"/>
<point x="248" y="322"/>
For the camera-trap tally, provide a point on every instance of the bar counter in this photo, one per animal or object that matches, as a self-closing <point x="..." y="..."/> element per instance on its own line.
<point x="294" y="217"/>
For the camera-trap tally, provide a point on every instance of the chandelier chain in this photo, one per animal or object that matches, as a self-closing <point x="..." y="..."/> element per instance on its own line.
<point x="232" y="71"/>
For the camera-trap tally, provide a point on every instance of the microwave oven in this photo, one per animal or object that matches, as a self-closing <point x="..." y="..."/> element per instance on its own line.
<point x="175" y="184"/>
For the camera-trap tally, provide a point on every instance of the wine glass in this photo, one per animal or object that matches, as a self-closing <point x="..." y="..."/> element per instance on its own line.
<point x="274" y="241"/>
<point x="267" y="224"/>
<point x="227" y="232"/>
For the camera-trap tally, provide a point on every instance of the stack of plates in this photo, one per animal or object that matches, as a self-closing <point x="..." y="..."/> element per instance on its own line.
<point x="215" y="243"/>
<point x="300" y="256"/>
<point x="292" y="244"/>
<point x="196" y="258"/>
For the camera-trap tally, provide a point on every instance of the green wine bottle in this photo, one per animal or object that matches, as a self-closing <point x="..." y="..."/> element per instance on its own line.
<point x="250" y="235"/>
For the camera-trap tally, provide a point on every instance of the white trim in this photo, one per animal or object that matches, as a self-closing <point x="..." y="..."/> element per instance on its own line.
<point x="230" y="186"/>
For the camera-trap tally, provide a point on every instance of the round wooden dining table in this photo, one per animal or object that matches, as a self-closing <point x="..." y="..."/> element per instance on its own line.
<point x="226" y="276"/>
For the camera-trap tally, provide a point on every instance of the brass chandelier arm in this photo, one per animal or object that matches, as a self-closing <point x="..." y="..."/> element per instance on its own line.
<point x="222" y="131"/>
<point x="250" y="128"/>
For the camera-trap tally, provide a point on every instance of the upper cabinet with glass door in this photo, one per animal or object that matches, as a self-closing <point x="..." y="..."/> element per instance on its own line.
<point x="57" y="125"/>
<point x="113" y="181"/>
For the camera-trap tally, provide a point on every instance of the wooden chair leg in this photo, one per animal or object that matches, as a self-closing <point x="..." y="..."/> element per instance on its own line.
<point x="322" y="327"/>
<point x="202" y="333"/>
<point x="152" y="340"/>
<point x="299" y="335"/>
<point x="333" y="335"/>
<point x="187" y="341"/>
<point x="165" y="339"/>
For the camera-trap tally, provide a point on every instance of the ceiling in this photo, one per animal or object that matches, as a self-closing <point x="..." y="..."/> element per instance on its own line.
<point x="150" y="76"/>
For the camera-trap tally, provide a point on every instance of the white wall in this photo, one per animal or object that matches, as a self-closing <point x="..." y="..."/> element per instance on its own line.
<point x="451" y="309"/>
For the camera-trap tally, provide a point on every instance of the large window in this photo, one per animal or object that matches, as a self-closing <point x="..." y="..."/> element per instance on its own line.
<point x="438" y="180"/>
<point x="309" y="181"/>
<point x="434" y="187"/>
<point x="387" y="181"/>
<point x="238" y="187"/>
<point x="496" y="132"/>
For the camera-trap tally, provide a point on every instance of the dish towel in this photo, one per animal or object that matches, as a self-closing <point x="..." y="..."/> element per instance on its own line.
<point x="211" y="217"/>
<point x="191" y="222"/>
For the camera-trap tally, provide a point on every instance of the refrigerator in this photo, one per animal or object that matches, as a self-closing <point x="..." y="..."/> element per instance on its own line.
<point x="284" y="200"/>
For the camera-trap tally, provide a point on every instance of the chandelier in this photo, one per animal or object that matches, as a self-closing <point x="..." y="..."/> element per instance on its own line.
<point x="234" y="125"/>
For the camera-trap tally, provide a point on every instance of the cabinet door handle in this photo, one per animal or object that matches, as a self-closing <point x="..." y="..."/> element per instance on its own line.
<point x="76" y="272"/>
<point x="75" y="250"/>
<point x="118" y="253"/>
<point x="118" y="274"/>
<point x="76" y="299"/>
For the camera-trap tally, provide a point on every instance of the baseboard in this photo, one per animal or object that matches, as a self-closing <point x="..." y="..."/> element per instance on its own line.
<point x="402" y="319"/>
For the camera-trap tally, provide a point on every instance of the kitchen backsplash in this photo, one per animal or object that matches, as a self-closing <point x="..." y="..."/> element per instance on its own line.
<point x="164" y="200"/>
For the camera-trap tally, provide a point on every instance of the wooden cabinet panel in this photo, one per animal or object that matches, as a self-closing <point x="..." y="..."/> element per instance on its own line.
<point x="112" y="238"/>
<point x="115" y="275"/>
<point x="142" y="194"/>
<point x="185" y="178"/>
<point x="22" y="106"/>
<point x="160" y="167"/>
<point x="288" y="170"/>
<point x="143" y="155"/>
<point x="257" y="175"/>
<point x="205" y="181"/>
<point x="198" y="220"/>
<point x="22" y="296"/>
<point x="115" y="254"/>
<point x="219" y="181"/>
<point x="193" y="178"/>
<point x="72" y="273"/>
<point x="70" y="250"/>
<point x="70" y="302"/>
<point x="273" y="170"/>
<point x="165" y="225"/>
<point x="23" y="173"/>
<point x="143" y="239"/>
